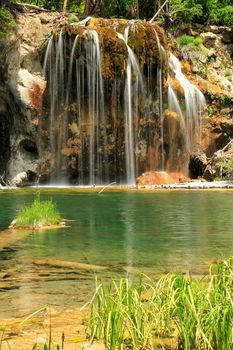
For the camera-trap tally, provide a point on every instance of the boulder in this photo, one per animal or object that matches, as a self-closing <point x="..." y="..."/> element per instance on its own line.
<point x="227" y="36"/>
<point x="179" y="177"/>
<point x="155" y="178"/>
<point x="209" y="39"/>
<point x="197" y="164"/>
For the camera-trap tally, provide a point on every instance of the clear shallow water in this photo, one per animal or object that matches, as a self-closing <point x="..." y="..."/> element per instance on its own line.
<point x="150" y="232"/>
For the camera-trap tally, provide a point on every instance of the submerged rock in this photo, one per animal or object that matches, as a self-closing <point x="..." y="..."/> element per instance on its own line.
<point x="68" y="264"/>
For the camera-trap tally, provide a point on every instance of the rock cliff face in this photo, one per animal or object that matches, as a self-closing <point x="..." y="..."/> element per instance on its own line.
<point x="22" y="85"/>
<point x="210" y="67"/>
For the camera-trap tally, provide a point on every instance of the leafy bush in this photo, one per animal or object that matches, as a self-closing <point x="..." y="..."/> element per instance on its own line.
<point x="226" y="15"/>
<point x="73" y="19"/>
<point x="221" y="12"/>
<point x="224" y="100"/>
<point x="6" y="20"/>
<point x="188" y="39"/>
<point x="186" y="11"/>
<point x="38" y="214"/>
<point x="212" y="110"/>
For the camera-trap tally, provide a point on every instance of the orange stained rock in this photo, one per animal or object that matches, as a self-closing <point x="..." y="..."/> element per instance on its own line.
<point x="170" y="115"/>
<point x="179" y="177"/>
<point x="186" y="67"/>
<point x="35" y="95"/>
<point x="177" y="86"/>
<point x="155" y="178"/>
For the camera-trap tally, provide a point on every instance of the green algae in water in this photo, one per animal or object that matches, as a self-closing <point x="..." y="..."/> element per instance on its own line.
<point x="38" y="214"/>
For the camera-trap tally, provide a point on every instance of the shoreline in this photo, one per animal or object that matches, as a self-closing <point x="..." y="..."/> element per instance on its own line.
<point x="193" y="185"/>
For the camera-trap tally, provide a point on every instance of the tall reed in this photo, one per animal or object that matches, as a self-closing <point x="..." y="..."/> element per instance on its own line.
<point x="175" y="312"/>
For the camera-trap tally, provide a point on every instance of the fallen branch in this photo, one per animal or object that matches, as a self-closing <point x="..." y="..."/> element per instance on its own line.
<point x="159" y="10"/>
<point x="31" y="7"/>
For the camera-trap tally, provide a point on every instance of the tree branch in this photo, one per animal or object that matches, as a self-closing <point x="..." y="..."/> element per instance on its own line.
<point x="159" y="10"/>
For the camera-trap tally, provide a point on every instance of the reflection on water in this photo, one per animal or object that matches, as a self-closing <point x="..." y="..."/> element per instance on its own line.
<point x="149" y="232"/>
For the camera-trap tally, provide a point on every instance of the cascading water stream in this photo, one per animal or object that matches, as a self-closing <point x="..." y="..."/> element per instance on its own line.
<point x="95" y="103"/>
<point x="110" y="118"/>
<point x="65" y="119"/>
<point x="174" y="105"/>
<point x="131" y="105"/>
<point x="60" y="95"/>
<point x="56" y="84"/>
<point x="194" y="101"/>
<point x="162" y="54"/>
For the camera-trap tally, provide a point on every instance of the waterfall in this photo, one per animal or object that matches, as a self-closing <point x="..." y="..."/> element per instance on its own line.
<point x="96" y="114"/>
<point x="174" y="105"/>
<point x="162" y="56"/>
<point x="89" y="96"/>
<point x="131" y="105"/>
<point x="56" y="82"/>
<point x="106" y="113"/>
<point x="194" y="101"/>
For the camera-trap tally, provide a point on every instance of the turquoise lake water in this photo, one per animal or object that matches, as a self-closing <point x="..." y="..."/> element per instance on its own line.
<point x="152" y="232"/>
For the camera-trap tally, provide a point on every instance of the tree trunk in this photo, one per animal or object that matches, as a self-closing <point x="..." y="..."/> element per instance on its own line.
<point x="87" y="7"/>
<point x="65" y="6"/>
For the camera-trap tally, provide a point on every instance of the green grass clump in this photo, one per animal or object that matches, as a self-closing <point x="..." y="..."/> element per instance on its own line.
<point x="188" y="39"/>
<point x="176" y="312"/>
<point x="38" y="214"/>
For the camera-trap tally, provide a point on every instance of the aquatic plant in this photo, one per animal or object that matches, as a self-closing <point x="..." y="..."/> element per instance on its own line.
<point x="176" y="312"/>
<point x="38" y="214"/>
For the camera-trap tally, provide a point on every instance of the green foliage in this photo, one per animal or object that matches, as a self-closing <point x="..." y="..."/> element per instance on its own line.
<point x="115" y="8"/>
<point x="211" y="58"/>
<point x="138" y="317"/>
<point x="73" y="5"/>
<point x="6" y="20"/>
<point x="186" y="10"/>
<point x="224" y="100"/>
<point x="73" y="19"/>
<point x="219" y="11"/>
<point x="176" y="11"/>
<point x="218" y="178"/>
<point x="213" y="11"/>
<point x="38" y="214"/>
<point x="212" y="110"/>
<point x="225" y="163"/>
<point x="188" y="39"/>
